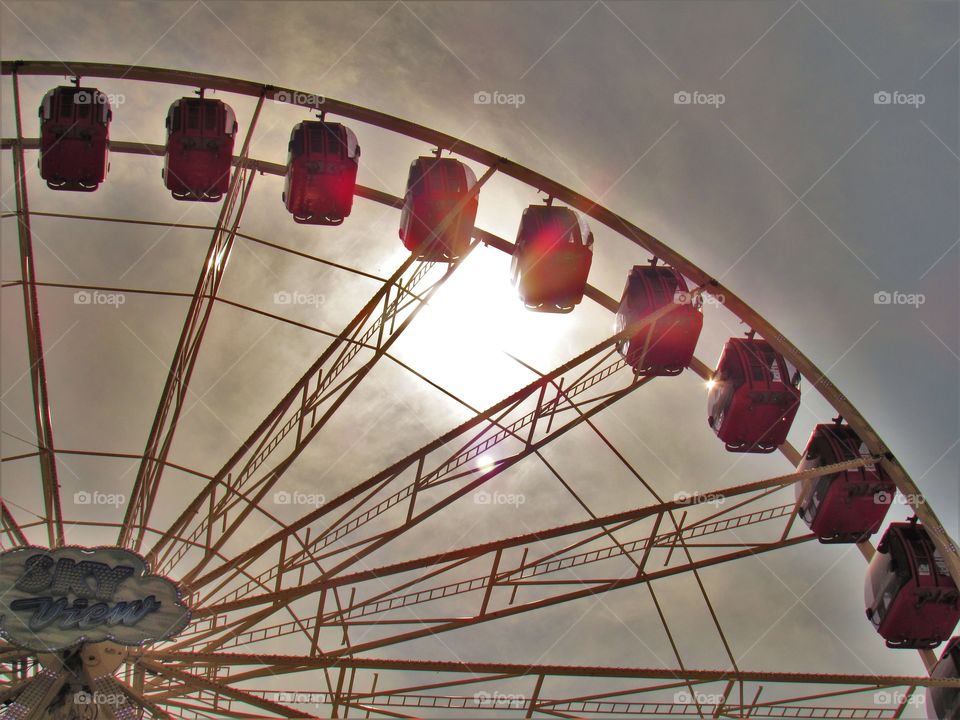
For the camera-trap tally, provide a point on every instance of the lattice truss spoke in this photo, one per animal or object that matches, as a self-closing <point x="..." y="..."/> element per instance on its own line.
<point x="147" y="484"/>
<point x="231" y="496"/>
<point x="385" y="687"/>
<point x="284" y="623"/>
<point x="516" y="575"/>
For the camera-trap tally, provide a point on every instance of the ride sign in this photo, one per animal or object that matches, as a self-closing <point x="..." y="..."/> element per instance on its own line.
<point x="53" y="599"/>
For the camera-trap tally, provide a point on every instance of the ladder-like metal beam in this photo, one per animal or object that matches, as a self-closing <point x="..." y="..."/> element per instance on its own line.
<point x="924" y="511"/>
<point x="147" y="483"/>
<point x="53" y="513"/>
<point x="306" y="407"/>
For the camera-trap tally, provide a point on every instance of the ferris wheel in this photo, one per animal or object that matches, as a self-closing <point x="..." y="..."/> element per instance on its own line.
<point x="206" y="600"/>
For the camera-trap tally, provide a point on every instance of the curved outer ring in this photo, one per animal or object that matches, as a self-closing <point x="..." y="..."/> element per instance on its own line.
<point x="618" y="224"/>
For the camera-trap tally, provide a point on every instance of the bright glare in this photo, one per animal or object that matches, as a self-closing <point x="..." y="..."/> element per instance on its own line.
<point x="462" y="334"/>
<point x="485" y="462"/>
<point x="710" y="383"/>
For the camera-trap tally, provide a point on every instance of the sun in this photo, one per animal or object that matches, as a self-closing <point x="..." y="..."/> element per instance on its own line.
<point x="475" y="331"/>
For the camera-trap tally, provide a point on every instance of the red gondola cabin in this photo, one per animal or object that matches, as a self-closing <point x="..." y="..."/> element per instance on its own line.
<point x="321" y="172"/>
<point x="911" y="599"/>
<point x="943" y="703"/>
<point x="74" y="138"/>
<point x="754" y="396"/>
<point x="664" y="347"/>
<point x="200" y="137"/>
<point x="847" y="506"/>
<point x="551" y="259"/>
<point x="435" y="187"/>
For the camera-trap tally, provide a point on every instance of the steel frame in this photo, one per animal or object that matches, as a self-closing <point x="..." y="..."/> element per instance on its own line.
<point x="188" y="347"/>
<point x="636" y="692"/>
<point x="311" y="402"/>
<point x="38" y="373"/>
<point x="593" y="209"/>
<point x="513" y="429"/>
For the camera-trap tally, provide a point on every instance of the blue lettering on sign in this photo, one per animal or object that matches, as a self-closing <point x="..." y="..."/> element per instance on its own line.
<point x="86" y="580"/>
<point x="53" y="599"/>
<point x="47" y="611"/>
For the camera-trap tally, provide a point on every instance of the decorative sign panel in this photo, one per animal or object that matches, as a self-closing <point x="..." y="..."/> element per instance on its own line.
<point x="53" y="599"/>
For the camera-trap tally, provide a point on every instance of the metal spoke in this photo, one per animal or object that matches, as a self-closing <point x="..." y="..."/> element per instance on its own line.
<point x="339" y="582"/>
<point x="621" y="696"/>
<point x="312" y="401"/>
<point x="446" y="575"/>
<point x="947" y="547"/>
<point x="11" y="528"/>
<point x="188" y="347"/>
<point x="38" y="372"/>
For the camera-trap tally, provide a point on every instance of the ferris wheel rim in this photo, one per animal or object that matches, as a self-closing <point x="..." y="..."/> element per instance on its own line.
<point x="626" y="229"/>
<point x="531" y="178"/>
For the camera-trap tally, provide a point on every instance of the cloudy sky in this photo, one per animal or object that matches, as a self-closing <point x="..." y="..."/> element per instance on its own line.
<point x="793" y="182"/>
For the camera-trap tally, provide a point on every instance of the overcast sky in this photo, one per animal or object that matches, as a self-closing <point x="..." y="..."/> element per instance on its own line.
<point x="793" y="182"/>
